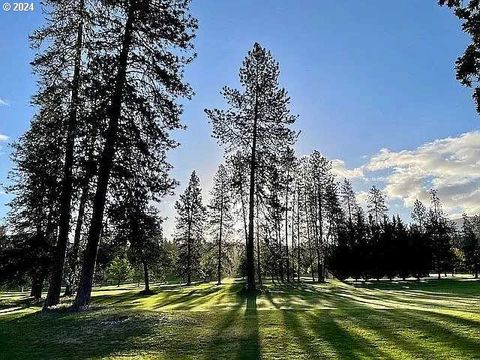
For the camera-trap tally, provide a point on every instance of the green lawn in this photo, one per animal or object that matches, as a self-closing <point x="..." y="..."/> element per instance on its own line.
<point x="401" y="320"/>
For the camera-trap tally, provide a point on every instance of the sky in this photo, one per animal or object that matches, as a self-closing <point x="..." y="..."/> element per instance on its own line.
<point x="373" y="84"/>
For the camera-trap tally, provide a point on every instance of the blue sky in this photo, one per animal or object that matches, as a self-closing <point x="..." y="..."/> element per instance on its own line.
<point x="362" y="75"/>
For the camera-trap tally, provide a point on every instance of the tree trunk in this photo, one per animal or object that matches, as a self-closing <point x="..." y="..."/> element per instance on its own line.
<point x="309" y="241"/>
<point x="286" y="230"/>
<point x="280" y="251"/>
<point x="259" y="268"/>
<point x="320" y="263"/>
<point x="244" y="215"/>
<point x="53" y="296"/>
<point x="298" y="236"/>
<point x="219" y="280"/>
<point x="146" y="290"/>
<point x="106" y="162"/>
<point x="76" y="239"/>
<point x="189" y="252"/>
<point x="250" y="286"/>
<point x="37" y="285"/>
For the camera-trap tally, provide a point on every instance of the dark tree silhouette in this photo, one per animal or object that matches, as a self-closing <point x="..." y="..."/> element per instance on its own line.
<point x="147" y="80"/>
<point x="468" y="65"/>
<point x="65" y="35"/>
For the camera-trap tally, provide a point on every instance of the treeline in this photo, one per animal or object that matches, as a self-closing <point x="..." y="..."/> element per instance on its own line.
<point x="93" y="163"/>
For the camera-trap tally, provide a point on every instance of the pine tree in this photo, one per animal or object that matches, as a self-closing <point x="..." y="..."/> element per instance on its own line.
<point x="138" y="225"/>
<point x="439" y="230"/>
<point x="220" y="217"/>
<point x="33" y="217"/>
<point x="288" y="162"/>
<point x="189" y="235"/>
<point x="142" y="41"/>
<point x="349" y="200"/>
<point x="64" y="34"/>
<point x="468" y="65"/>
<point x="419" y="214"/>
<point x="256" y="123"/>
<point x="471" y="242"/>
<point x="376" y="205"/>
<point x="320" y="177"/>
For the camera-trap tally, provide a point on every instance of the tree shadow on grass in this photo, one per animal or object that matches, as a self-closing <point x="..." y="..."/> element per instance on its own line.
<point x="173" y="298"/>
<point x="464" y="287"/>
<point x="250" y="346"/>
<point x="357" y="328"/>
<point x="87" y="335"/>
<point x="236" y="333"/>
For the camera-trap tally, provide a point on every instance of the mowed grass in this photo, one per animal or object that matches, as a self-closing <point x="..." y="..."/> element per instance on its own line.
<point x="428" y="319"/>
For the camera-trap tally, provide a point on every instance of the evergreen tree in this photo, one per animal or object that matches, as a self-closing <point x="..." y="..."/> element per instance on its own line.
<point x="62" y="59"/>
<point x="256" y="123"/>
<point x="34" y="210"/>
<point x="471" y="242"/>
<point x="189" y="235"/>
<point x="349" y="201"/>
<point x="419" y="214"/>
<point x="142" y="41"/>
<point x="468" y="65"/>
<point x="439" y="230"/>
<point x="376" y="205"/>
<point x="220" y="217"/>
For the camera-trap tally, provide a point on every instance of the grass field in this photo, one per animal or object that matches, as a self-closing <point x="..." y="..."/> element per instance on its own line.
<point x="429" y="319"/>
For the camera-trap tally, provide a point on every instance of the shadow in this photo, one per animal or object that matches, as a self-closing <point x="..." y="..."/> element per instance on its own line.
<point x="333" y="320"/>
<point x="250" y="345"/>
<point x="92" y="334"/>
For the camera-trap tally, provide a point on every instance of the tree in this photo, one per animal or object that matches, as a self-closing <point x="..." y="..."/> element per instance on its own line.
<point x="256" y="123"/>
<point x="146" y="55"/>
<point x="468" y="65"/>
<point x="419" y="214"/>
<point x="33" y="215"/>
<point x="376" y="204"/>
<point x="349" y="201"/>
<point x="119" y="270"/>
<point x="288" y="162"/>
<point x="320" y="177"/>
<point x="440" y="231"/>
<point x="64" y="35"/>
<point x="471" y="242"/>
<point x="189" y="234"/>
<point x="220" y="217"/>
<point x="138" y="224"/>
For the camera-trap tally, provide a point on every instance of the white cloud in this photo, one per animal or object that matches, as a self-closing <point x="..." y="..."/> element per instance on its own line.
<point x="4" y="138"/>
<point x="4" y="102"/>
<point x="450" y="165"/>
<point x="340" y="170"/>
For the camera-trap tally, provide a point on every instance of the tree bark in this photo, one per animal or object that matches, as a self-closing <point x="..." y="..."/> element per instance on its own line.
<point x="250" y="286"/>
<point x="309" y="240"/>
<point x="37" y="285"/>
<point x="320" y="263"/>
<point x="259" y="268"/>
<point x="219" y="280"/>
<point x="286" y="230"/>
<point x="56" y="274"/>
<point x="82" y="298"/>
<point x="146" y="290"/>
<point x="189" y="251"/>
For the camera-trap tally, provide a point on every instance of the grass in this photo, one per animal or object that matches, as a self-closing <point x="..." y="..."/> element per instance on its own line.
<point x="431" y="319"/>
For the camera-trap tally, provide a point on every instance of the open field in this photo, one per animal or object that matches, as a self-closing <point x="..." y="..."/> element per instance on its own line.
<point x="402" y="320"/>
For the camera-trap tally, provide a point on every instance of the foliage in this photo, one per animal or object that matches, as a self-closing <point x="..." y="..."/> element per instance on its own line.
<point x="120" y="271"/>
